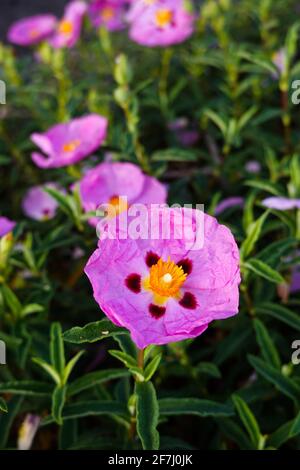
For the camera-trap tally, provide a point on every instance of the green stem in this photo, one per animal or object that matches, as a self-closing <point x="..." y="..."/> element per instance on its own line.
<point x="163" y="81"/>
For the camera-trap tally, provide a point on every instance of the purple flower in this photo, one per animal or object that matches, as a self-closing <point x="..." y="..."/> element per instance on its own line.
<point x="227" y="203"/>
<point x="6" y="226"/>
<point x="279" y="60"/>
<point x="186" y="134"/>
<point x="253" y="167"/>
<point x="160" y="22"/>
<point x="107" y="13"/>
<point x="38" y="204"/>
<point x="162" y="290"/>
<point x="295" y="281"/>
<point x="111" y="183"/>
<point x="281" y="203"/>
<point x="67" y="143"/>
<point x="31" y="30"/>
<point x="69" y="28"/>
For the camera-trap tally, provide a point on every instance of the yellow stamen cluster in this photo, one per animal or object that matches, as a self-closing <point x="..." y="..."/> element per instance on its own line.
<point x="163" y="17"/>
<point x="107" y="13"/>
<point x="166" y="278"/>
<point x="119" y="205"/>
<point x="71" y="146"/>
<point x="65" y="27"/>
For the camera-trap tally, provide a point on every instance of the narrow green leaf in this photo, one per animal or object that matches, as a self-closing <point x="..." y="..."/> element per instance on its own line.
<point x="129" y="361"/>
<point x="47" y="368"/>
<point x="90" y="408"/>
<point x="279" y="312"/>
<point x="58" y="401"/>
<point x="92" y="332"/>
<point x="11" y="300"/>
<point x="57" y="352"/>
<point x="248" y="419"/>
<point x="208" y="368"/>
<point x="147" y="413"/>
<point x="263" y="270"/>
<point x="284" y="384"/>
<point x="7" y="419"/>
<point x="152" y="367"/>
<point x="70" y="366"/>
<point x="234" y="433"/>
<point x="31" y="308"/>
<point x="193" y="406"/>
<point x="174" y="155"/>
<point x="253" y="234"/>
<point x="266" y="344"/>
<point x="95" y="378"/>
<point x="26" y="388"/>
<point x="3" y="405"/>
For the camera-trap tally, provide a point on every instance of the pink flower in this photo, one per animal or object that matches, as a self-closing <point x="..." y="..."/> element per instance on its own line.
<point x="228" y="203"/>
<point x="67" y="143"/>
<point x="281" y="203"/>
<point x="6" y="226"/>
<point x="31" y="30"/>
<point x="107" y="13"/>
<point x="69" y="28"/>
<point x="112" y="182"/>
<point x="160" y="22"/>
<point x="166" y="290"/>
<point x="39" y="205"/>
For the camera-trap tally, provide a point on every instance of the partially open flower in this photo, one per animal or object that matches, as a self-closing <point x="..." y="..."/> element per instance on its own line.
<point x="69" y="28"/>
<point x="28" y="431"/>
<point x="6" y="226"/>
<point x="107" y="13"/>
<point x="166" y="289"/>
<point x="68" y="143"/>
<point x="160" y="22"/>
<point x="111" y="183"/>
<point x="31" y="30"/>
<point x="281" y="203"/>
<point x="38" y="204"/>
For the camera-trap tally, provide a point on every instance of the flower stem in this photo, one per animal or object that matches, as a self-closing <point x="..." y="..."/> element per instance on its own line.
<point x="140" y="358"/>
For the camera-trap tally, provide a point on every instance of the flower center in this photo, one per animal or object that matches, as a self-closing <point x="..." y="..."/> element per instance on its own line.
<point x="34" y="33"/>
<point x="71" y="146"/>
<point x="118" y="204"/>
<point x="163" y="17"/>
<point x="65" y="27"/>
<point x="166" y="278"/>
<point x="107" y="13"/>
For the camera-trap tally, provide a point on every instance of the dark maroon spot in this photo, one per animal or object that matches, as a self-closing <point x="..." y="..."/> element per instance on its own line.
<point x="186" y="265"/>
<point x="188" y="301"/>
<point x="46" y="212"/>
<point x="151" y="259"/>
<point x="157" y="311"/>
<point x="133" y="282"/>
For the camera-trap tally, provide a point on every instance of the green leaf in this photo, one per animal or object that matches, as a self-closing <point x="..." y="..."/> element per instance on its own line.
<point x="210" y="369"/>
<point x="70" y="366"/>
<point x="26" y="388"/>
<point x="273" y="253"/>
<point x="31" y="308"/>
<point x="11" y="300"/>
<point x="248" y="419"/>
<point x="129" y="361"/>
<point x="284" y="384"/>
<point x="263" y="270"/>
<point x="193" y="406"/>
<point x="3" y="406"/>
<point x="152" y="367"/>
<point x="95" y="378"/>
<point x="92" y="332"/>
<point x="58" y="401"/>
<point x="263" y="185"/>
<point x="7" y="419"/>
<point x="57" y="352"/>
<point x="266" y="344"/>
<point x="234" y="433"/>
<point x="47" y="368"/>
<point x="147" y="413"/>
<point x="253" y="235"/>
<point x="280" y="313"/>
<point x="287" y="431"/>
<point x="174" y="155"/>
<point x="83" y="409"/>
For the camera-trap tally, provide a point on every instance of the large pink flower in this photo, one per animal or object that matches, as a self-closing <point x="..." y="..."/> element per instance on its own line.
<point x="111" y="183"/>
<point x="69" y="28"/>
<point x="166" y="289"/>
<point x="160" y="22"/>
<point x="6" y="226"/>
<point x="65" y="144"/>
<point x="38" y="204"/>
<point x="31" y="30"/>
<point x="107" y="13"/>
